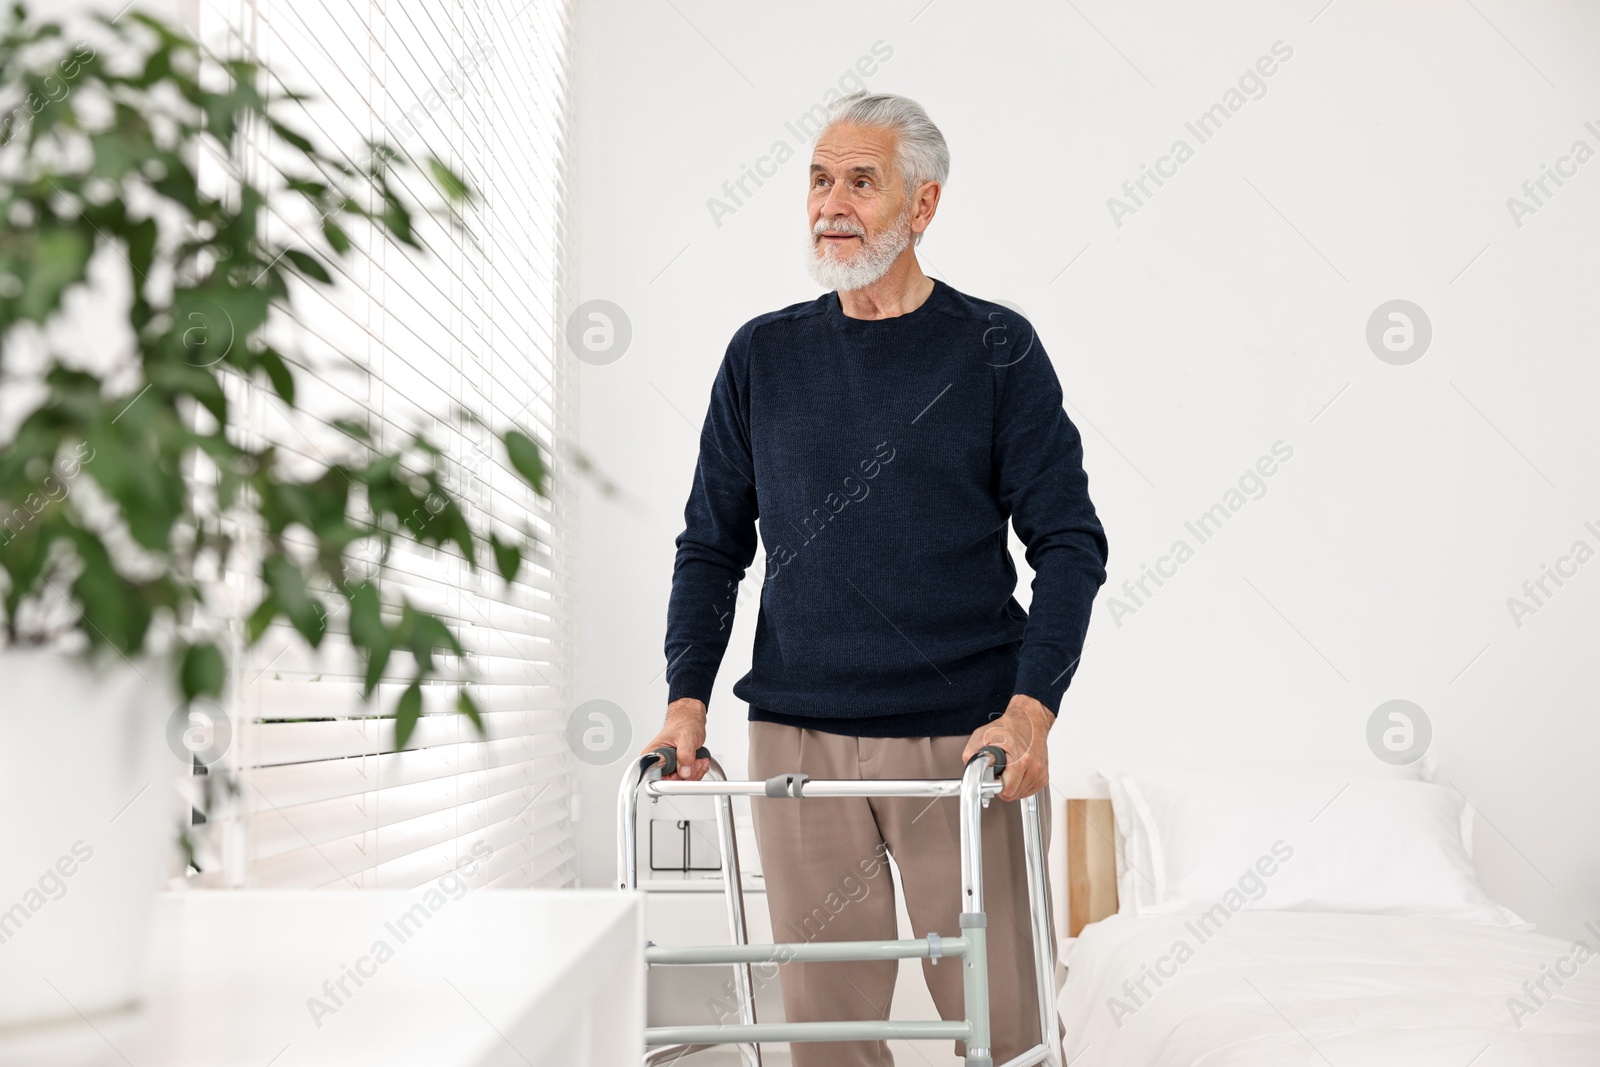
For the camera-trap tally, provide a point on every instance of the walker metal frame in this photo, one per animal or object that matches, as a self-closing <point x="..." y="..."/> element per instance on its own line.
<point x="977" y="785"/>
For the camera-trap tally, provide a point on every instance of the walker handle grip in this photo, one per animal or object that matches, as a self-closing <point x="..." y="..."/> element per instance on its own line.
<point x="669" y="758"/>
<point x="999" y="758"/>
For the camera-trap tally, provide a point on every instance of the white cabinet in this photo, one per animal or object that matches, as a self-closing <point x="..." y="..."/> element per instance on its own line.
<point x="377" y="978"/>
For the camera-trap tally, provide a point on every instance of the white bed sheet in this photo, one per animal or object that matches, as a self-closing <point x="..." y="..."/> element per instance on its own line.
<point x="1320" y="989"/>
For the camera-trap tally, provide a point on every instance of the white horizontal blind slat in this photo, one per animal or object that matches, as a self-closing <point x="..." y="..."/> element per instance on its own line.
<point x="322" y="739"/>
<point x="517" y="688"/>
<point x="402" y="340"/>
<point x="278" y="830"/>
<point x="293" y="784"/>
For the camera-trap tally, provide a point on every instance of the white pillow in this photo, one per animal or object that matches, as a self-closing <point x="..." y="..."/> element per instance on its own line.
<point x="1137" y="890"/>
<point x="1300" y="840"/>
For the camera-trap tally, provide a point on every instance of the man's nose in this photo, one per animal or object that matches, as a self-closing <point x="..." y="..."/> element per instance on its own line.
<point x="834" y="207"/>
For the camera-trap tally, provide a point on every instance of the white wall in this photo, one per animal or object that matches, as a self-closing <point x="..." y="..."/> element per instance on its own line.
<point x="1228" y="313"/>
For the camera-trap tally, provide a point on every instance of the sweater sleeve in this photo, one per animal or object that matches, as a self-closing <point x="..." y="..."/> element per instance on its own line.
<point x="718" y="542"/>
<point x="1038" y="457"/>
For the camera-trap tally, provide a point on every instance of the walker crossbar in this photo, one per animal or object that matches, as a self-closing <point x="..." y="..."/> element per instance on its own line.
<point x="978" y="784"/>
<point x="802" y="951"/>
<point x="865" y="1030"/>
<point x="824" y="787"/>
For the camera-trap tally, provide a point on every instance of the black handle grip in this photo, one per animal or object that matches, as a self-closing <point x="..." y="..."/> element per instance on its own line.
<point x="669" y="758"/>
<point x="999" y="758"/>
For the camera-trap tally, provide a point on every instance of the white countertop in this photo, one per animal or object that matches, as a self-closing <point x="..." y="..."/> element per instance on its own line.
<point x="493" y="977"/>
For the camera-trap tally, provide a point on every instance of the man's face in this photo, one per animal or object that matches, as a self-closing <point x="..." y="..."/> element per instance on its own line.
<point x="857" y="207"/>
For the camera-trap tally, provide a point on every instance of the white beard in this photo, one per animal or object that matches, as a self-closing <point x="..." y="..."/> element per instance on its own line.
<point x="869" y="262"/>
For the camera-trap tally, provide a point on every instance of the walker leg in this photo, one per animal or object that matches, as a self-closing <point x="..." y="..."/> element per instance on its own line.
<point x="733" y="890"/>
<point x="1044" y="956"/>
<point x="974" y="921"/>
<point x="974" y="927"/>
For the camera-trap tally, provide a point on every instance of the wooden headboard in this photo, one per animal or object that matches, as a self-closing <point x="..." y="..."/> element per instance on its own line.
<point x="1091" y="863"/>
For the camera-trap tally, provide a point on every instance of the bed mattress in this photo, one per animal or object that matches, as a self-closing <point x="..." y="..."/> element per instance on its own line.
<point x="1319" y="989"/>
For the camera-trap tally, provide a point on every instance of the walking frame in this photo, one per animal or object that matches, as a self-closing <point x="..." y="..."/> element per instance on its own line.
<point x="977" y="785"/>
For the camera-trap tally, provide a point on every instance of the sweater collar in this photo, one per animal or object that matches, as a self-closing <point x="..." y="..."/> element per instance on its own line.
<point x="836" y="315"/>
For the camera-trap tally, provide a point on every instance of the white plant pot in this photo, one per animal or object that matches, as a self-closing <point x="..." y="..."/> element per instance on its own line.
<point x="87" y="835"/>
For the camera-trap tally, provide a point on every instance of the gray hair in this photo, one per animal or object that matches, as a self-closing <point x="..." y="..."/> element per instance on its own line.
<point x="921" y="154"/>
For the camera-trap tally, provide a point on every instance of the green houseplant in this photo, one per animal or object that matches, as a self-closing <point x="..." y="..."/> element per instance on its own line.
<point x="100" y="153"/>
<point x="125" y="484"/>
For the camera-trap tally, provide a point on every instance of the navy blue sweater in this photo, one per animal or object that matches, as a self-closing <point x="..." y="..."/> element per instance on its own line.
<point x="883" y="459"/>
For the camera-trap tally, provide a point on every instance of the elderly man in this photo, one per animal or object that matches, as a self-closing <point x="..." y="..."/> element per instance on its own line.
<point x="884" y="434"/>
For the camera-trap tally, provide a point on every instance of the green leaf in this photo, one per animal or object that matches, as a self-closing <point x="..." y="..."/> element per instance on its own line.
<point x="202" y="671"/>
<point x="288" y="587"/>
<point x="453" y="526"/>
<point x="367" y="631"/>
<point x="507" y="557"/>
<point x="169" y="39"/>
<point x="313" y="191"/>
<point x="261" y="618"/>
<point x="225" y="111"/>
<point x="117" y="611"/>
<point x="145" y="482"/>
<point x="352" y="428"/>
<point x="424" y="633"/>
<point x="141" y="238"/>
<point x="214" y="323"/>
<point x="328" y="504"/>
<point x="23" y="555"/>
<point x="366" y="616"/>
<point x="423" y="444"/>
<point x="117" y="153"/>
<point x="597" y="478"/>
<point x="309" y="266"/>
<point x="158" y="66"/>
<point x="58" y="258"/>
<point x="406" y="714"/>
<point x="198" y="382"/>
<point x="294" y="137"/>
<point x="397" y="220"/>
<point x="178" y="183"/>
<point x="466" y="706"/>
<point x="278" y="374"/>
<point x="526" y="459"/>
<point x="337" y="238"/>
<point x="377" y="660"/>
<point x="453" y="185"/>
<point x="380" y="158"/>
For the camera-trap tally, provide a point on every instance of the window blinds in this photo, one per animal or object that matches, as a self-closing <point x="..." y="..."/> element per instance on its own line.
<point x="323" y="798"/>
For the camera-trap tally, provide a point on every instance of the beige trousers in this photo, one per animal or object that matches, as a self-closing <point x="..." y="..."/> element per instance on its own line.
<point x="827" y="880"/>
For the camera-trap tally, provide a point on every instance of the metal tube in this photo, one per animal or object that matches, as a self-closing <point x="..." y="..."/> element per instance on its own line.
<point x="843" y="787"/>
<point x="733" y="893"/>
<point x="862" y="1030"/>
<point x="627" y="821"/>
<point x="802" y="951"/>
<point x="975" y="987"/>
<point x="971" y="787"/>
<point x="974" y="923"/>
<point x="1041" y="922"/>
